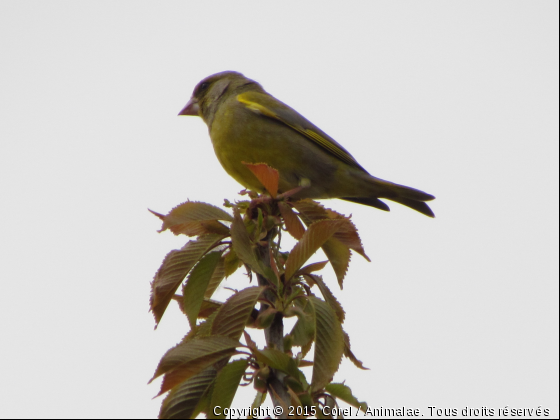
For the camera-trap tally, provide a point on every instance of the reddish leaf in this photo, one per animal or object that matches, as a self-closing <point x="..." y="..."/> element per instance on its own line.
<point x="308" y="269"/>
<point x="348" y="353"/>
<point x="194" y="218"/>
<point x="291" y="220"/>
<point x="266" y="175"/>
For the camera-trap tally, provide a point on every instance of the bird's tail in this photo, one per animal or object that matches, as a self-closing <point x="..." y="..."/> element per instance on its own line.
<point x="410" y="197"/>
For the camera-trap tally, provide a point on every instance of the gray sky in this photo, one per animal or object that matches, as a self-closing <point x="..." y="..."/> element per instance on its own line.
<point x="459" y="99"/>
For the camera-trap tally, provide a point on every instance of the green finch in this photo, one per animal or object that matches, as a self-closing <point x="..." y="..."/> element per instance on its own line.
<point x="248" y="125"/>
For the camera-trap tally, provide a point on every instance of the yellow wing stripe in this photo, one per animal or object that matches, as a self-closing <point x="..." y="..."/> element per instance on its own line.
<point x="310" y="134"/>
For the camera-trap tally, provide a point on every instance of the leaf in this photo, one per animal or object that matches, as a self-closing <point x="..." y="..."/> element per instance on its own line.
<point x="266" y="175"/>
<point x="191" y="357"/>
<point x="329" y="344"/>
<point x="245" y="249"/>
<point x="308" y="269"/>
<point x="348" y="353"/>
<point x="231" y="263"/>
<point x="280" y="361"/>
<point x="232" y="317"/>
<point x="313" y="211"/>
<point x="226" y="385"/>
<point x="182" y="401"/>
<point x="257" y="402"/>
<point x="329" y="297"/>
<point x="291" y="220"/>
<point x="208" y="307"/>
<point x="173" y="270"/>
<point x="304" y="329"/>
<point x="344" y="393"/>
<point x="196" y="285"/>
<point x="339" y="257"/>
<point x="194" y="218"/>
<point x="216" y="279"/>
<point x="315" y="236"/>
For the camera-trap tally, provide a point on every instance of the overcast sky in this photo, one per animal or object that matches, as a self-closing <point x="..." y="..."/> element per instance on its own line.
<point x="458" y="99"/>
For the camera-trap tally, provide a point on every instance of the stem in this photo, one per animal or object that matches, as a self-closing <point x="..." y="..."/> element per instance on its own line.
<point x="274" y="334"/>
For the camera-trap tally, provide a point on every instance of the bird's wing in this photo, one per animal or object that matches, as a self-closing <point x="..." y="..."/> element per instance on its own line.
<point x="264" y="104"/>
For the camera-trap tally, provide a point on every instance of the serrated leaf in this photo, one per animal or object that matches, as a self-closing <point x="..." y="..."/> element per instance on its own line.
<point x="194" y="218"/>
<point x="182" y="401"/>
<point x="339" y="257"/>
<point x="304" y="329"/>
<point x="312" y="211"/>
<point x="226" y="385"/>
<point x="245" y="249"/>
<point x="193" y="211"/>
<point x="173" y="270"/>
<point x="196" y="285"/>
<point x="291" y="220"/>
<point x="315" y="236"/>
<point x="348" y="353"/>
<point x="338" y="247"/>
<point x="308" y="269"/>
<point x="208" y="307"/>
<point x="216" y="279"/>
<point x="280" y="361"/>
<point x="232" y="317"/>
<point x="231" y="263"/>
<point x="329" y="344"/>
<point x="266" y="175"/>
<point x="344" y="393"/>
<point x="191" y="357"/>
<point x="329" y="297"/>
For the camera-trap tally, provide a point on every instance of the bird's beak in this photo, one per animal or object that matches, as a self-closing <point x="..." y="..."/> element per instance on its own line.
<point x="191" y="108"/>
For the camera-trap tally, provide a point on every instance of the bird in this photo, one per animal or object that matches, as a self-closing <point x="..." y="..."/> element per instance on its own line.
<point x="248" y="125"/>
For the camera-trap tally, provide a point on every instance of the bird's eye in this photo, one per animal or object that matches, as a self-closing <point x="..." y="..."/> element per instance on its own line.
<point x="203" y="86"/>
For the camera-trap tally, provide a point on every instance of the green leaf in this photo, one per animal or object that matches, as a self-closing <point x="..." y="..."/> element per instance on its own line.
<point x="197" y="283"/>
<point x="226" y="385"/>
<point x="329" y="344"/>
<point x="280" y="361"/>
<point x="231" y="263"/>
<point x="338" y="247"/>
<point x="232" y="317"/>
<point x="216" y="279"/>
<point x="329" y="297"/>
<point x="304" y="329"/>
<point x="344" y="393"/>
<point x="348" y="353"/>
<point x="245" y="249"/>
<point x="182" y="401"/>
<point x="315" y="236"/>
<point x="339" y="256"/>
<point x="173" y="270"/>
<point x="257" y="402"/>
<point x="191" y="357"/>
